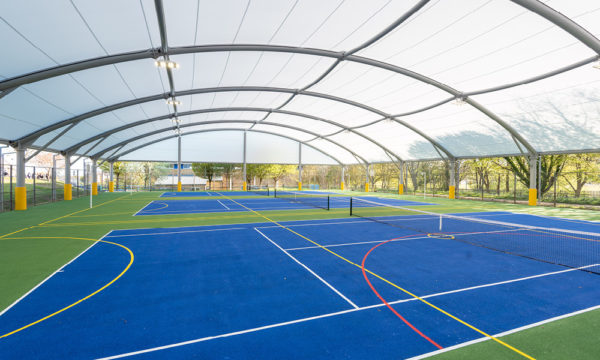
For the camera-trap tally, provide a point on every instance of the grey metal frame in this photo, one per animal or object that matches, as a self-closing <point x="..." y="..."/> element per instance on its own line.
<point x="125" y="142"/>
<point x="114" y="158"/>
<point x="535" y="6"/>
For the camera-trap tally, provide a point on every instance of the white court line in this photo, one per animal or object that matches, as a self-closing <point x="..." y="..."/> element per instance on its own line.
<point x="512" y="331"/>
<point x="223" y="205"/>
<point x="51" y="275"/>
<point x="309" y="270"/>
<point x="208" y="193"/>
<point x="403" y="239"/>
<point x="143" y="207"/>
<point x="178" y="232"/>
<point x="194" y="341"/>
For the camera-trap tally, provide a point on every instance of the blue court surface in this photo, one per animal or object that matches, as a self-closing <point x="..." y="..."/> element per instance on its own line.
<point x="261" y="291"/>
<point x="207" y="193"/>
<point x="166" y="207"/>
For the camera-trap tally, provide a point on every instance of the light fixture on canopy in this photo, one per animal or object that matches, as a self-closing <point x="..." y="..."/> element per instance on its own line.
<point x="166" y="64"/>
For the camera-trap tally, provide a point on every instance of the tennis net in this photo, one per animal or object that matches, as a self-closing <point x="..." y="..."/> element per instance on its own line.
<point x="259" y="190"/>
<point x="569" y="248"/>
<point x="320" y="201"/>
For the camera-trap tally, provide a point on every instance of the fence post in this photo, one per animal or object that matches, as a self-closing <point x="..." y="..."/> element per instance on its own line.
<point x="555" y="181"/>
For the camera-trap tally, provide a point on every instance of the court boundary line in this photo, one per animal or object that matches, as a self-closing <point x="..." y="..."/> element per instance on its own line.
<point x="143" y="207"/>
<point x="175" y="232"/>
<point x="505" y="333"/>
<point x="309" y="270"/>
<point x="51" y="275"/>
<point x="342" y="312"/>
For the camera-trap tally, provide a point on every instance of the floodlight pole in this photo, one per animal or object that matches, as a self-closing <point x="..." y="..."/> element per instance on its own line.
<point x="245" y="186"/>
<point x="401" y="178"/>
<point x="532" y="180"/>
<point x="452" y="177"/>
<point x="299" y="166"/>
<point x="179" y="163"/>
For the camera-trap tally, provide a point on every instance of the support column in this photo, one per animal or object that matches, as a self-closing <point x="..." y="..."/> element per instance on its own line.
<point x="401" y="178"/>
<point x="452" y="177"/>
<point x="68" y="189"/>
<point x="245" y="187"/>
<point x="94" y="167"/>
<point x="111" y="183"/>
<point x="299" y="166"/>
<point x="179" y="163"/>
<point x="367" y="168"/>
<point x="20" y="189"/>
<point x="532" y="180"/>
<point x="342" y="181"/>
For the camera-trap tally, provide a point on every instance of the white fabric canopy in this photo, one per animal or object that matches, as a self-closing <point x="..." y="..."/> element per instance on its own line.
<point x="352" y="81"/>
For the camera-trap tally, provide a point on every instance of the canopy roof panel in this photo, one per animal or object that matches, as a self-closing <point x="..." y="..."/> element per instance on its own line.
<point x="353" y="81"/>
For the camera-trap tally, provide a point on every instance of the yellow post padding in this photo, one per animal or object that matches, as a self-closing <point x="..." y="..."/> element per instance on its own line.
<point x="532" y="197"/>
<point x="68" y="192"/>
<point x="400" y="189"/>
<point x="21" y="198"/>
<point x="94" y="188"/>
<point x="342" y="186"/>
<point x="451" y="192"/>
<point x="179" y="186"/>
<point x="299" y="185"/>
<point x="111" y="186"/>
<point x="245" y="186"/>
<point x="366" y="187"/>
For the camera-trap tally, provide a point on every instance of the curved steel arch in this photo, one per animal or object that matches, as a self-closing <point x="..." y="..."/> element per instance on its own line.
<point x="100" y="111"/>
<point x="340" y="56"/>
<point x="114" y="158"/>
<point x="171" y="128"/>
<point x="234" y="109"/>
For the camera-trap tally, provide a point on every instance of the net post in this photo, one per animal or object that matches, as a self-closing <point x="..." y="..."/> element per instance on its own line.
<point x="440" y="222"/>
<point x="327" y="202"/>
<point x="351" y="206"/>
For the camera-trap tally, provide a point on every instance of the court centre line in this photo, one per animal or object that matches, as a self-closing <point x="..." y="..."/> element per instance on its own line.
<point x="51" y="275"/>
<point x="223" y="205"/>
<point x="260" y="328"/>
<point x="309" y="270"/>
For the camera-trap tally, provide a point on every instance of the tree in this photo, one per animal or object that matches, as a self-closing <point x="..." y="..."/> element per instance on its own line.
<point x="581" y="169"/>
<point x="552" y="166"/>
<point x="207" y="170"/>
<point x="279" y="171"/>
<point x="119" y="168"/>
<point x="261" y="171"/>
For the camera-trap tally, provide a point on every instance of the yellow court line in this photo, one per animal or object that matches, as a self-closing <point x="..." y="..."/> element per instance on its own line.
<point x="396" y="286"/>
<point x="131" y="257"/>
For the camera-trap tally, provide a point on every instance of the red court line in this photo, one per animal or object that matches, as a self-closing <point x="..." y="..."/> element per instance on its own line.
<point x="362" y="265"/>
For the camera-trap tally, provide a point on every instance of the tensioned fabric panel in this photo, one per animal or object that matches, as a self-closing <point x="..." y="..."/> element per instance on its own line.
<point x="382" y="89"/>
<point x="313" y="156"/>
<point x="478" y="44"/>
<point x="559" y="113"/>
<point x="247" y="68"/>
<point x="345" y="114"/>
<point x="337" y="25"/>
<point x="330" y="148"/>
<point x="402" y="141"/>
<point x="462" y="49"/>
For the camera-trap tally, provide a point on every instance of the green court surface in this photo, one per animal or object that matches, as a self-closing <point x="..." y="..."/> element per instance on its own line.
<point x="27" y="261"/>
